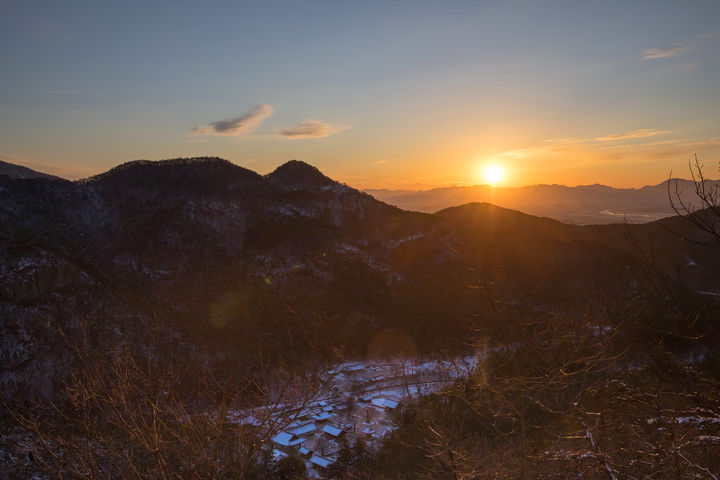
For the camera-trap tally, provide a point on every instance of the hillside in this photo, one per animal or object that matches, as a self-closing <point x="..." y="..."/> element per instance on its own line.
<point x="292" y="262"/>
<point x="228" y="259"/>
<point x="18" y="171"/>
<point x="558" y="262"/>
<point x="206" y="270"/>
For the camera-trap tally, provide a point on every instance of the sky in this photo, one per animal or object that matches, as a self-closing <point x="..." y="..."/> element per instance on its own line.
<point x="388" y="94"/>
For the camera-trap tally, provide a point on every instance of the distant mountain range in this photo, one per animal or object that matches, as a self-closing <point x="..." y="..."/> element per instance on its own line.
<point x="582" y="205"/>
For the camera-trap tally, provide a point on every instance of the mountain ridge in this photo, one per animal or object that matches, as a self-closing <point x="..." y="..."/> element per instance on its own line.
<point x="585" y="204"/>
<point x="582" y="204"/>
<point x="232" y="264"/>
<point x="535" y="185"/>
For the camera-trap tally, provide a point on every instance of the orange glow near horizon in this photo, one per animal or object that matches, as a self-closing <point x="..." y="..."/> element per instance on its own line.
<point x="493" y="174"/>
<point x="611" y="157"/>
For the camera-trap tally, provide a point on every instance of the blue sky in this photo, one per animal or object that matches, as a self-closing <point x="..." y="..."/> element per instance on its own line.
<point x="376" y="94"/>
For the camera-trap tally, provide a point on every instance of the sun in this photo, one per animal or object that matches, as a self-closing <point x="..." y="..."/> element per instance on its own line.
<point x="493" y="174"/>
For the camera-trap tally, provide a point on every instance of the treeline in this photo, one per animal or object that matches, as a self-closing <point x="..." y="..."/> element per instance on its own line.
<point x="569" y="397"/>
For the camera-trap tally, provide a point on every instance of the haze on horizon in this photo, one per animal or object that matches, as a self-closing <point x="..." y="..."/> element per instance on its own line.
<point x="407" y="95"/>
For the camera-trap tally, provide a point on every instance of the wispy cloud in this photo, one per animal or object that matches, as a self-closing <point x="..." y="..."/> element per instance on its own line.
<point x="237" y="126"/>
<point x="713" y="142"/>
<point x="77" y="92"/>
<point x="665" y="52"/>
<point x="562" y="141"/>
<point x="521" y="153"/>
<point x="639" y="133"/>
<point x="310" y="129"/>
<point x="709" y="35"/>
<point x="576" y="156"/>
<point x="379" y="162"/>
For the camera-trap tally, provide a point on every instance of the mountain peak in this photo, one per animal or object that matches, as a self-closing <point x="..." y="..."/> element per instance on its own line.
<point x="186" y="171"/>
<point x="298" y="175"/>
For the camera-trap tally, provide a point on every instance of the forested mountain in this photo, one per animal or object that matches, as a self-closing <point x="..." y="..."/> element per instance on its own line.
<point x="212" y="269"/>
<point x="557" y="261"/>
<point x="294" y="260"/>
<point x="286" y="263"/>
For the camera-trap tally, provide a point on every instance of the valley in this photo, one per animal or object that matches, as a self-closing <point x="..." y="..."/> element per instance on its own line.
<point x="353" y="409"/>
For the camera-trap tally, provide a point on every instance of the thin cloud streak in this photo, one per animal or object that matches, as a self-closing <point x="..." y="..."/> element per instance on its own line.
<point x="309" y="129"/>
<point x="714" y="143"/>
<point x="77" y="92"/>
<point x="639" y="133"/>
<point x="666" y="52"/>
<point x="238" y="126"/>
<point x="709" y="35"/>
<point x="591" y="154"/>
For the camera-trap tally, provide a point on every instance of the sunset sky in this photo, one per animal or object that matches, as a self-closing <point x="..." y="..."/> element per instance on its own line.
<point x="386" y="94"/>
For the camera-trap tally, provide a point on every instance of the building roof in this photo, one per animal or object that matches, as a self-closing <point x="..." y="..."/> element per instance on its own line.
<point x="321" y="416"/>
<point x="303" y="429"/>
<point x="329" y="429"/>
<point x="322" y="461"/>
<point x="385" y="403"/>
<point x="287" y="439"/>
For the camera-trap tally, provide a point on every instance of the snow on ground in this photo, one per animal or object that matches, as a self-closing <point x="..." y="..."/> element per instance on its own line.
<point x="714" y="294"/>
<point x="356" y="404"/>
